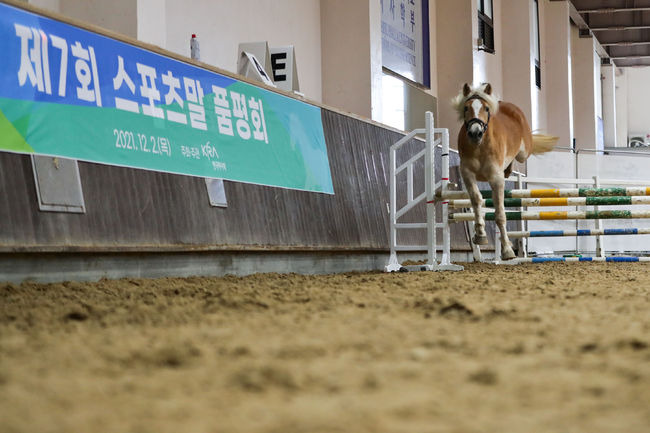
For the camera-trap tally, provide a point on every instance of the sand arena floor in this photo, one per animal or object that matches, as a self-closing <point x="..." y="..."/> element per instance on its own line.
<point x="534" y="348"/>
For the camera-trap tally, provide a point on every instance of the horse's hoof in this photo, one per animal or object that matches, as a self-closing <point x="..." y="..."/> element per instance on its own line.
<point x="508" y="254"/>
<point x="480" y="240"/>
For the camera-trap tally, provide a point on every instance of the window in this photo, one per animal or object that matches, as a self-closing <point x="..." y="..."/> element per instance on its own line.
<point x="486" y="25"/>
<point x="536" y="48"/>
<point x="405" y="39"/>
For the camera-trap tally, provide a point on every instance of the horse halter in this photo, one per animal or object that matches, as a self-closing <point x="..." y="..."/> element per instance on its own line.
<point x="483" y="125"/>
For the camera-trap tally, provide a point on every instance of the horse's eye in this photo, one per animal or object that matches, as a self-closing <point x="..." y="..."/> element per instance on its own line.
<point x="466" y="109"/>
<point x="487" y="109"/>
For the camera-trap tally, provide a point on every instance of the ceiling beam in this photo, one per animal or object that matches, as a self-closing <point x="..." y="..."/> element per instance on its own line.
<point x="580" y="22"/>
<point x="624" y="43"/>
<point x="613" y="10"/>
<point x="618" y="28"/>
<point x="631" y="56"/>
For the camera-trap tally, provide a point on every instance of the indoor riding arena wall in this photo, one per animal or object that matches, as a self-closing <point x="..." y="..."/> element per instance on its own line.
<point x="145" y="223"/>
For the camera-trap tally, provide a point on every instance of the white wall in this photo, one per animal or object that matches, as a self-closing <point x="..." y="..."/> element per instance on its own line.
<point x="638" y="95"/>
<point x="52" y="5"/>
<point x="487" y="66"/>
<point x="221" y="25"/>
<point x="621" y="107"/>
<point x="116" y="15"/>
<point x="152" y="22"/>
<point x="609" y="104"/>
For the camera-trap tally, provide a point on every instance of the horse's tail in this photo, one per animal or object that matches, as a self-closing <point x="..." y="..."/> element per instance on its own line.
<point x="543" y="143"/>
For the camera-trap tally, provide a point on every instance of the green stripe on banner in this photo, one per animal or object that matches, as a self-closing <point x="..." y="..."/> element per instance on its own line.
<point x="11" y="138"/>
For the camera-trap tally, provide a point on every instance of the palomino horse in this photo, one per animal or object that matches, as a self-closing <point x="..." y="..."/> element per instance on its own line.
<point x="494" y="133"/>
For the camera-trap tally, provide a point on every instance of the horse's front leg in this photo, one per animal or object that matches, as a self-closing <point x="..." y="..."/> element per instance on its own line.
<point x="480" y="238"/>
<point x="497" y="184"/>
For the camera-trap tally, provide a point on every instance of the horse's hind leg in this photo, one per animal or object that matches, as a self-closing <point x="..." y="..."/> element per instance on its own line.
<point x="523" y="154"/>
<point x="497" y="185"/>
<point x="507" y="171"/>
<point x="480" y="238"/>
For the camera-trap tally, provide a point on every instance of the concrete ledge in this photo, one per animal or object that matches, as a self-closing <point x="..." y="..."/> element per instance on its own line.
<point x="57" y="267"/>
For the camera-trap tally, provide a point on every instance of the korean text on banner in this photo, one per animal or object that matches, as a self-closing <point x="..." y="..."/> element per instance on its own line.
<point x="68" y="92"/>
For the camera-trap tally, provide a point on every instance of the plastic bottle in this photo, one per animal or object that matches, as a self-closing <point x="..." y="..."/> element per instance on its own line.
<point x="195" y="51"/>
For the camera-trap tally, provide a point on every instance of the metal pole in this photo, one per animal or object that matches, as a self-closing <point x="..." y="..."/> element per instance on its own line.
<point x="600" y="251"/>
<point x="444" y="185"/>
<point x="523" y="225"/>
<point x="429" y="179"/>
<point x="612" y="10"/>
<point x="393" y="206"/>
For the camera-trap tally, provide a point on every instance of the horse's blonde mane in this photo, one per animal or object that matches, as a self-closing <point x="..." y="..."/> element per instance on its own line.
<point x="458" y="102"/>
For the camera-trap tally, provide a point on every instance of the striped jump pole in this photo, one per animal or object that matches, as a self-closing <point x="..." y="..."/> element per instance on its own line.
<point x="578" y="259"/>
<point x="561" y="192"/>
<point x="559" y="201"/>
<point x="573" y="233"/>
<point x="559" y="215"/>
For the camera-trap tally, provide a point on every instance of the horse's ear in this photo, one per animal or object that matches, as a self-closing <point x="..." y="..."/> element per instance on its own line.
<point x="488" y="89"/>
<point x="466" y="89"/>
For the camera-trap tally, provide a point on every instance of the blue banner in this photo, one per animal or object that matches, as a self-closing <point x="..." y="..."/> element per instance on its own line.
<point x="68" y="92"/>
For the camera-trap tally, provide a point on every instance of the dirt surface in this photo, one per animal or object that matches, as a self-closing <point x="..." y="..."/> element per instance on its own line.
<point x="533" y="348"/>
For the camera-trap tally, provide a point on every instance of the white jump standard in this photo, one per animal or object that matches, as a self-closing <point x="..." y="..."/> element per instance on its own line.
<point x="427" y="196"/>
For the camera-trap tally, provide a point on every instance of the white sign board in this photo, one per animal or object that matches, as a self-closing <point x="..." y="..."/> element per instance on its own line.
<point x="250" y="67"/>
<point x="283" y="64"/>
<point x="405" y="38"/>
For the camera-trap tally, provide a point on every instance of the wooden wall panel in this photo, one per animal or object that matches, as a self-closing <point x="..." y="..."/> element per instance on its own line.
<point x="130" y="209"/>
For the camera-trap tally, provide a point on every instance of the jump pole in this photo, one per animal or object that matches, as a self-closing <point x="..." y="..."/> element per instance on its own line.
<point x="561" y="192"/>
<point x="577" y="259"/>
<point x="557" y="215"/>
<point x="584" y="232"/>
<point x="568" y="197"/>
<point x="559" y="201"/>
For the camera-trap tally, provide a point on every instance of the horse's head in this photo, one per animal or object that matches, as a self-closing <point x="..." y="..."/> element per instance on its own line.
<point x="475" y="106"/>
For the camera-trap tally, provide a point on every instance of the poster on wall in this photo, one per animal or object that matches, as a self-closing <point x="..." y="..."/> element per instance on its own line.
<point x="68" y="92"/>
<point x="405" y="39"/>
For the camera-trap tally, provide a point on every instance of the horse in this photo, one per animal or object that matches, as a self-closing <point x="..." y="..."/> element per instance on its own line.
<point x="493" y="135"/>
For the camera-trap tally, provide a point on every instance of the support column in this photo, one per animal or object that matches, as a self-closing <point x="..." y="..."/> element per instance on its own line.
<point x="454" y="56"/>
<point x="518" y="73"/>
<point x="584" y="90"/>
<point x="557" y="71"/>
<point x="621" y="107"/>
<point x="348" y="47"/>
<point x="608" y="73"/>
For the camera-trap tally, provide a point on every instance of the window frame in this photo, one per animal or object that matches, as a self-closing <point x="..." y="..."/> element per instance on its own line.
<point x="538" y="43"/>
<point x="486" y="23"/>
